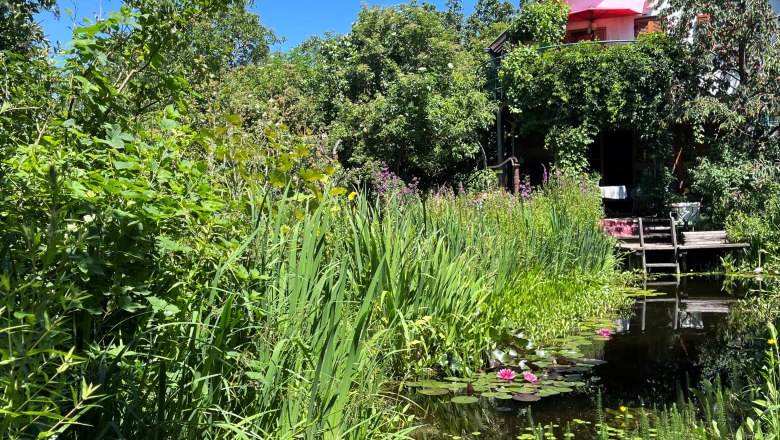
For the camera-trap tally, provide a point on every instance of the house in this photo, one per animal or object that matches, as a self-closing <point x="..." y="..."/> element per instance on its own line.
<point x="613" y="20"/>
<point x="615" y="154"/>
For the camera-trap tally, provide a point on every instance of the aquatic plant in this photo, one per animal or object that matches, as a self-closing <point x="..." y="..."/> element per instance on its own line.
<point x="530" y="377"/>
<point x="605" y="332"/>
<point x="506" y="374"/>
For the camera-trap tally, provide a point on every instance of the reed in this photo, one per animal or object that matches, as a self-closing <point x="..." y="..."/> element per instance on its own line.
<point x="297" y="326"/>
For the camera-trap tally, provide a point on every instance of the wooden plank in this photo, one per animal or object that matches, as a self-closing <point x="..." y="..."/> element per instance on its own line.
<point x="668" y="265"/>
<point x="649" y="247"/>
<point x="714" y="246"/>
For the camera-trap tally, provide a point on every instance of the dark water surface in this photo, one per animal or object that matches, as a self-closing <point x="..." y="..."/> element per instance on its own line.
<point x="655" y="351"/>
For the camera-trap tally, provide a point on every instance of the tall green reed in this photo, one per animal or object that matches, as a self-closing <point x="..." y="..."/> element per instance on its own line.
<point x="301" y="324"/>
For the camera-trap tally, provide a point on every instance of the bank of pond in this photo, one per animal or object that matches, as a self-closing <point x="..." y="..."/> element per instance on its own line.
<point x="686" y="361"/>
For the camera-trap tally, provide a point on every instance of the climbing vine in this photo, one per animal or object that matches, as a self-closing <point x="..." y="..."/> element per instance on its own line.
<point x="570" y="93"/>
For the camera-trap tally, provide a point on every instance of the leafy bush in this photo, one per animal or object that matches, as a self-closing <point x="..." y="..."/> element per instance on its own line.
<point x="542" y="23"/>
<point x="165" y="281"/>
<point x="571" y="93"/>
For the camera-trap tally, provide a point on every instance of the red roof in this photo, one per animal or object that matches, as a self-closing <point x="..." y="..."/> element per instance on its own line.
<point x="589" y="10"/>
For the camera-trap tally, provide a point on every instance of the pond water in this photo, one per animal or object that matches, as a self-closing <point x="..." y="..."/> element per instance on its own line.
<point x="667" y="343"/>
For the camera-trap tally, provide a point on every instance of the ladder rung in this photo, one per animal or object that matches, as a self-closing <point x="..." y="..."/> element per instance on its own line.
<point x="661" y="265"/>
<point x="662" y="283"/>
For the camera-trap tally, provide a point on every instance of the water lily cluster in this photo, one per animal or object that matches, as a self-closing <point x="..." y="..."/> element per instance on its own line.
<point x="509" y="375"/>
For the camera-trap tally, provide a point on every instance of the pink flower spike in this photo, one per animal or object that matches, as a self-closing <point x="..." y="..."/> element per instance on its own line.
<point x="530" y="377"/>
<point x="605" y="332"/>
<point x="506" y="374"/>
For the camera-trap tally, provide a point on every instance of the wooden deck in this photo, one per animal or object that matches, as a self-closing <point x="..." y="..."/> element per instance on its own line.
<point x="659" y="237"/>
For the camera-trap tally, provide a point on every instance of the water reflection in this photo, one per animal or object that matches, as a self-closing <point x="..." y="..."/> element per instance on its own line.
<point x="685" y="333"/>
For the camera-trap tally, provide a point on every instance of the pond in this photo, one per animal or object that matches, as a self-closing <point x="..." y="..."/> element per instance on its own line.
<point x="672" y="339"/>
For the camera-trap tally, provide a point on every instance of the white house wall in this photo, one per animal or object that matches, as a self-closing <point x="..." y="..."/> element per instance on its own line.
<point x="619" y="28"/>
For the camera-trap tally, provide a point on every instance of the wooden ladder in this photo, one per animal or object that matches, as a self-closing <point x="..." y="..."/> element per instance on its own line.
<point x="665" y="247"/>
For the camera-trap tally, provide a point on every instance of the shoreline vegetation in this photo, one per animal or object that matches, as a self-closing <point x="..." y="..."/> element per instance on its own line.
<point x="289" y="317"/>
<point x="202" y="240"/>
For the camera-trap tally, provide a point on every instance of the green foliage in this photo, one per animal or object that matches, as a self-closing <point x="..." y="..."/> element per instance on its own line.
<point x="20" y="32"/>
<point x="172" y="276"/>
<point x="730" y="96"/>
<point x="488" y="17"/>
<point x="276" y="93"/>
<point x="745" y="196"/>
<point x="410" y="94"/>
<point x="230" y="38"/>
<point x="542" y="23"/>
<point x="766" y="424"/>
<point x="570" y="145"/>
<point x="572" y="92"/>
<point x="733" y="63"/>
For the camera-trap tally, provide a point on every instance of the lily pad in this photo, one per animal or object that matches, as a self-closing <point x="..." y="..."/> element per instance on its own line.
<point x="497" y="395"/>
<point x="454" y="379"/>
<point x="520" y="390"/>
<point x="465" y="399"/>
<point x="547" y="392"/>
<point x="434" y="391"/>
<point x="429" y="384"/>
<point x="562" y="389"/>
<point x="526" y="397"/>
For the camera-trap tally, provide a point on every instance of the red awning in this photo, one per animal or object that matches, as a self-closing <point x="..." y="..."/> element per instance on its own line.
<point x="589" y="10"/>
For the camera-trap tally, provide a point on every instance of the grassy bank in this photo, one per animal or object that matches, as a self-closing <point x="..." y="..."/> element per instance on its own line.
<point x="251" y="314"/>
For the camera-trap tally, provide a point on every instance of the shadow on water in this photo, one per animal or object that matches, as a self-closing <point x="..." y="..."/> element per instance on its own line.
<point x="653" y="353"/>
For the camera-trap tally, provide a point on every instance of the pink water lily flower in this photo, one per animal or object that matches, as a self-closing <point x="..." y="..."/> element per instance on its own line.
<point x="530" y="377"/>
<point x="506" y="374"/>
<point x="605" y="332"/>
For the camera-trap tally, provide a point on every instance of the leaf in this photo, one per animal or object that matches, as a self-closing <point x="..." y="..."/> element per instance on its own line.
<point x="311" y="175"/>
<point x="88" y="86"/>
<point x="27" y="317"/>
<point x="464" y="399"/>
<point x="254" y="375"/>
<point x="235" y="120"/>
<point x="121" y="165"/>
<point x="116" y="138"/>
<point x="434" y="391"/>
<point x="160" y="305"/>
<point x="526" y="397"/>
<point x="127" y="304"/>
<point x="168" y="124"/>
<point x="90" y="265"/>
<point x="301" y="150"/>
<point x="167" y="244"/>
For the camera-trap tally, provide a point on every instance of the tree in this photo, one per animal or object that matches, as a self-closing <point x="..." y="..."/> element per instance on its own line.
<point x="487" y="14"/>
<point x="19" y="32"/>
<point x="735" y="62"/>
<point x="190" y="44"/>
<point x="454" y="18"/>
<point x="730" y="96"/>
<point x="411" y="95"/>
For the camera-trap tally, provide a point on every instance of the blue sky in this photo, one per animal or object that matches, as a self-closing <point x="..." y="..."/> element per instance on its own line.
<point x="293" y="20"/>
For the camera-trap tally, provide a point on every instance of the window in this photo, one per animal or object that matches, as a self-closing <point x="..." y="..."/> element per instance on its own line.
<point x="583" y="35"/>
<point x="647" y="25"/>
